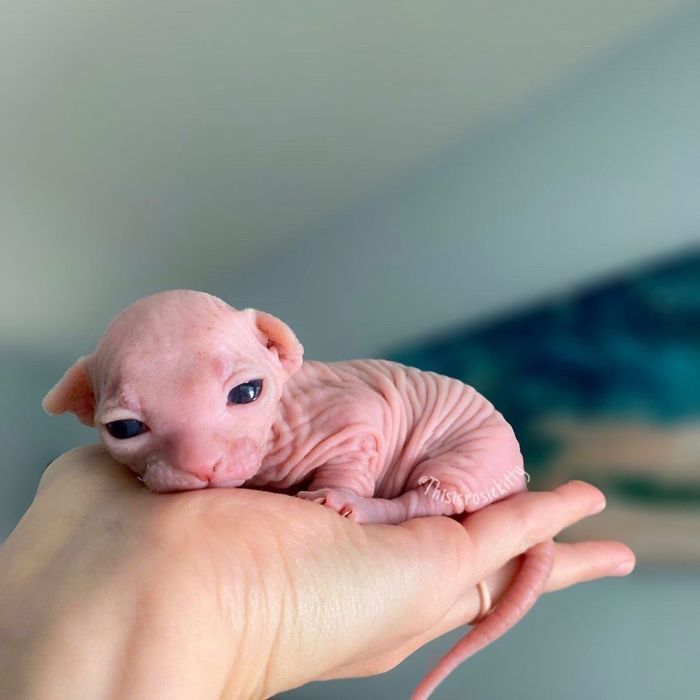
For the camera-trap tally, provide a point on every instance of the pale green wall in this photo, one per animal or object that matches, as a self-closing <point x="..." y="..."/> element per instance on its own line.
<point x="599" y="175"/>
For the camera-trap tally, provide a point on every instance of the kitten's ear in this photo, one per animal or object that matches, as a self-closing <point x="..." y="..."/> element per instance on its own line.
<point x="279" y="339"/>
<point x="73" y="393"/>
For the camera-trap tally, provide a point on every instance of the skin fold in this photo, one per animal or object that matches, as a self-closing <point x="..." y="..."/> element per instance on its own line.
<point x="375" y="441"/>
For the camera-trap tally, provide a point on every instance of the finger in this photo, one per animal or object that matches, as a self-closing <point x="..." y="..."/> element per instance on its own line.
<point x="508" y="528"/>
<point x="586" y="561"/>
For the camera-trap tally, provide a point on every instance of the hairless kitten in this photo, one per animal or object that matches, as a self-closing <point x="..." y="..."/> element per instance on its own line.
<point x="191" y="393"/>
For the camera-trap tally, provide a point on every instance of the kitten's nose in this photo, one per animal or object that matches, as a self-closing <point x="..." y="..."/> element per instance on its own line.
<point x="204" y="471"/>
<point x="227" y="464"/>
<point x="196" y="452"/>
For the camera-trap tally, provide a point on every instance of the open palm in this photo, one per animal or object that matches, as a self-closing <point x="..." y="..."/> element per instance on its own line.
<point x="108" y="590"/>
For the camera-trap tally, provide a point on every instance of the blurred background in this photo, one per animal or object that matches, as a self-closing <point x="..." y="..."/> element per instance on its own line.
<point x="506" y="192"/>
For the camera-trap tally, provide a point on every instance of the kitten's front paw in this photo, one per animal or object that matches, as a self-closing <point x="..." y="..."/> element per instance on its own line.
<point x="344" y="502"/>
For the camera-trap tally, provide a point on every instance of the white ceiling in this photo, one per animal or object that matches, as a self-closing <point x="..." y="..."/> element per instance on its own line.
<point x="149" y="144"/>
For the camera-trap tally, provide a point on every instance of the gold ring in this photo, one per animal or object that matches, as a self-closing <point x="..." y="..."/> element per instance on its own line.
<point x="485" y="607"/>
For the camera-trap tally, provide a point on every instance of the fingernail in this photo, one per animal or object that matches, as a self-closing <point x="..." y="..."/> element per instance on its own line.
<point x="598" y="507"/>
<point x="623" y="568"/>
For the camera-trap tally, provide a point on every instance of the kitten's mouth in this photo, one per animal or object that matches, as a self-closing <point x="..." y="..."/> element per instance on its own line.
<point x="164" y="479"/>
<point x="225" y="483"/>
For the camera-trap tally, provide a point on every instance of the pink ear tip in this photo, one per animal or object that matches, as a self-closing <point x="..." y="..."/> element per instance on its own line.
<point x="73" y="393"/>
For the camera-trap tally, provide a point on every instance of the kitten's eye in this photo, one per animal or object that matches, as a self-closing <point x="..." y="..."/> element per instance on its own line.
<point x="246" y="392"/>
<point x="125" y="429"/>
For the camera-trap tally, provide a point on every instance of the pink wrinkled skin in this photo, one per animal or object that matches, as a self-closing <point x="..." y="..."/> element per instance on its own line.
<point x="376" y="441"/>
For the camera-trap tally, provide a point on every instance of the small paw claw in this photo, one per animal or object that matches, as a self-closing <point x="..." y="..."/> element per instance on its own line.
<point x="346" y="503"/>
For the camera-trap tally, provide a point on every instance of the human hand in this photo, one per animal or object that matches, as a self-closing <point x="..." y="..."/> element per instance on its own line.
<point x="110" y="591"/>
